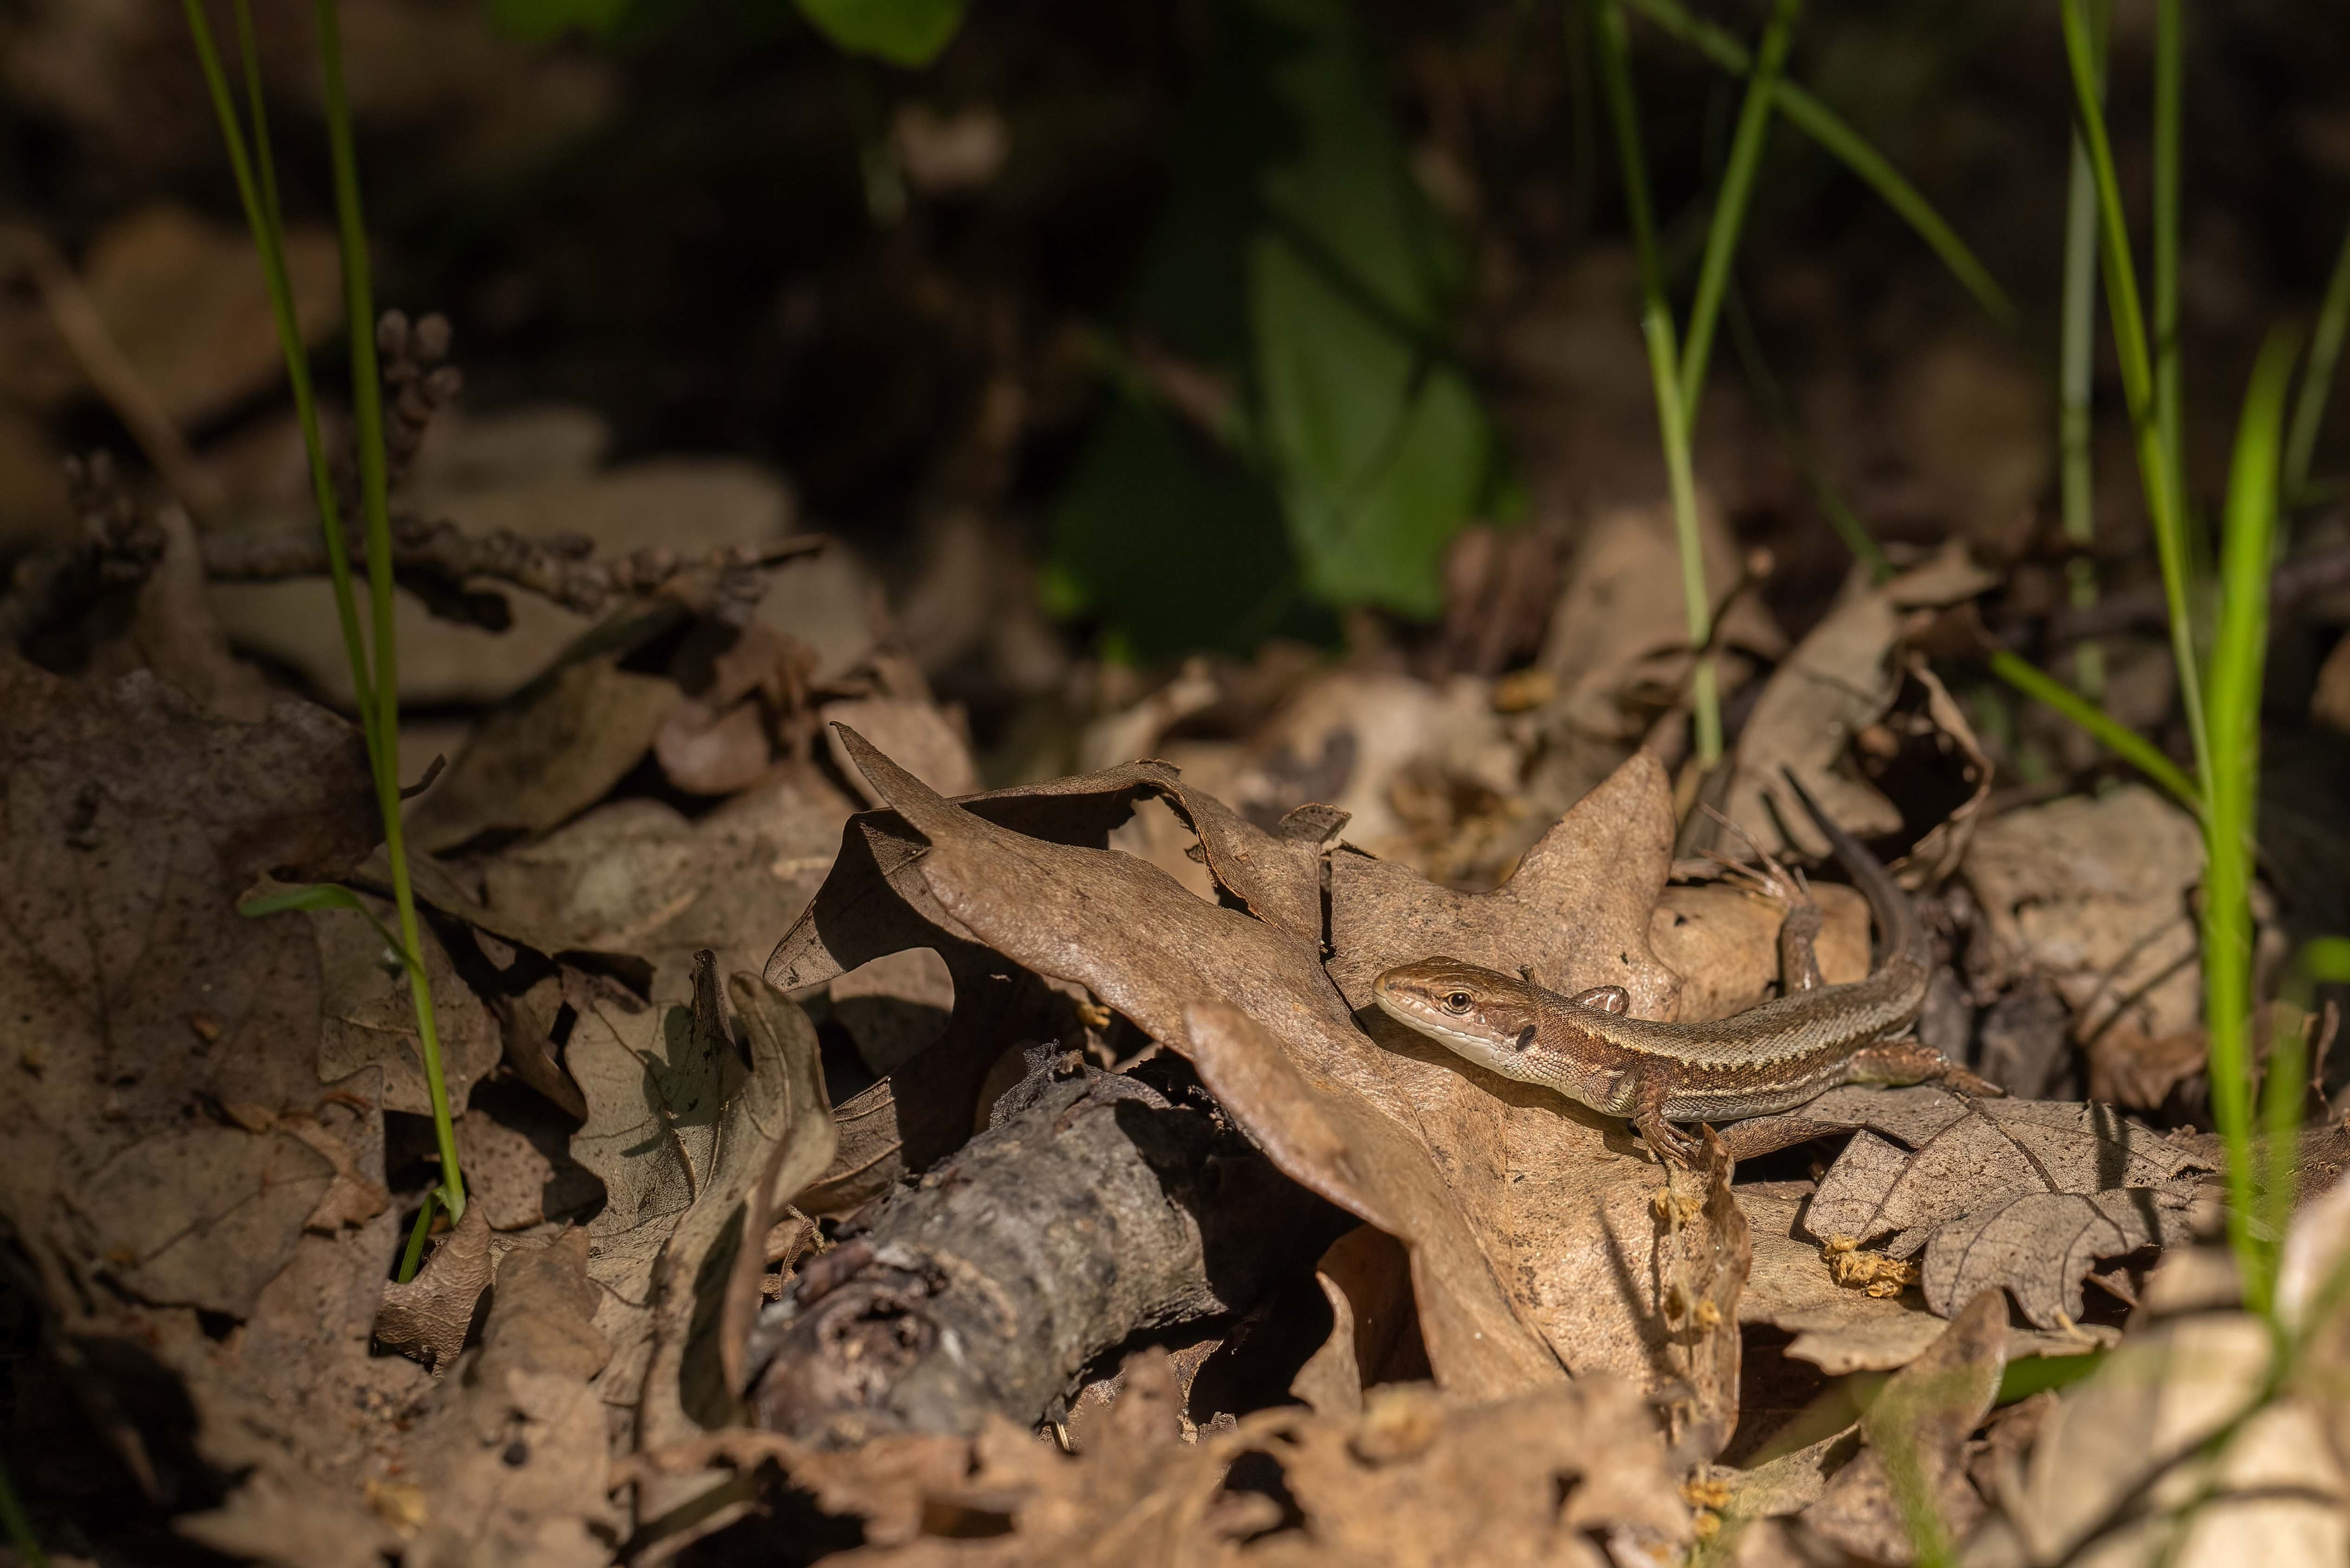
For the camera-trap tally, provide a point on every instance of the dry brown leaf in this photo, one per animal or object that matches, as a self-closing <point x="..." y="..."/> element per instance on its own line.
<point x="368" y="1014"/>
<point x="2314" y="1250"/>
<point x="2128" y="1067"/>
<point x="1399" y="1138"/>
<point x="183" y="300"/>
<point x="511" y="1467"/>
<point x="680" y="1126"/>
<point x="1415" y="1480"/>
<point x="717" y="740"/>
<point x="1619" y="645"/>
<point x="1553" y="1194"/>
<point x="1723" y="941"/>
<point x="894" y="1007"/>
<point x="1347" y="739"/>
<point x="354" y="1197"/>
<point x="526" y="1021"/>
<point x="429" y="1316"/>
<point x="1840" y="678"/>
<point x="1917" y="1429"/>
<point x="2092" y="894"/>
<point x="874" y="903"/>
<point x="2040" y="1245"/>
<point x="556" y="746"/>
<point x="518" y="1164"/>
<point x="1965" y="1156"/>
<point x="1366" y="1276"/>
<point x="138" y="997"/>
<point x="273" y="1521"/>
<point x="1788" y="1484"/>
<point x="1839" y="1328"/>
<point x="637" y="877"/>
<point x="202" y="1216"/>
<point x="916" y="734"/>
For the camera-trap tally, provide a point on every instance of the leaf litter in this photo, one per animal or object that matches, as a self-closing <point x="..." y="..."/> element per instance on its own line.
<point x="1483" y="1301"/>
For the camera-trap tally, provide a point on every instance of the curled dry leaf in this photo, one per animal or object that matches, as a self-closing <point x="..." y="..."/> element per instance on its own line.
<point x="682" y="1125"/>
<point x="1416" y="1479"/>
<point x="429" y="1316"/>
<point x="1840" y="678"/>
<point x="916" y="734"/>
<point x="510" y="1465"/>
<point x="1366" y="1276"/>
<point x="679" y="1126"/>
<point x="1917" y="1429"/>
<point x="874" y="903"/>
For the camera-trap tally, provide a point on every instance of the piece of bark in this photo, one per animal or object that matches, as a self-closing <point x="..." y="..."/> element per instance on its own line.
<point x="1092" y="1209"/>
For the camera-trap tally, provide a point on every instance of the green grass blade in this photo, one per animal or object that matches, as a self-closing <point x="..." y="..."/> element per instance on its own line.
<point x="1824" y="125"/>
<point x="2317" y="378"/>
<point x="323" y="895"/>
<point x="2076" y="379"/>
<point x="2239" y="654"/>
<point x="1664" y="371"/>
<point x="413" y="1255"/>
<point x="2118" y="738"/>
<point x="258" y="193"/>
<point x="2157" y="471"/>
<point x="2169" y="92"/>
<point x="367" y="412"/>
<point x="1731" y="202"/>
<point x="19" y="1526"/>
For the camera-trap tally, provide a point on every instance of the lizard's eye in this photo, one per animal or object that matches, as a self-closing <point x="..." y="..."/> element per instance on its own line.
<point x="1456" y="1002"/>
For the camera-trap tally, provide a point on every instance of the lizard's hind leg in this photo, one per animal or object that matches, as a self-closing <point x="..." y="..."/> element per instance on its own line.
<point x="1902" y="1061"/>
<point x="1799" y="932"/>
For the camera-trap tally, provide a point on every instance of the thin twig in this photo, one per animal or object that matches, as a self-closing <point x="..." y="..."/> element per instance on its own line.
<point x="562" y="570"/>
<point x="108" y="369"/>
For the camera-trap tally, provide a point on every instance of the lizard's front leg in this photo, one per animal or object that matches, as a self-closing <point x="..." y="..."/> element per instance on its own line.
<point x="1666" y="1141"/>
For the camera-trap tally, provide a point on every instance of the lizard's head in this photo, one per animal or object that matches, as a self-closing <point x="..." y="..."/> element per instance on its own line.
<point x="1481" y="1014"/>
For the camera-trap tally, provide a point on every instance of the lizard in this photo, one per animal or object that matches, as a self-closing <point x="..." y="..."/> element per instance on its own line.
<point x="1771" y="1057"/>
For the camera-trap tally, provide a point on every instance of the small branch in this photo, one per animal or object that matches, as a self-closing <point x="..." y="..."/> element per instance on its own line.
<point x="434" y="560"/>
<point x="562" y="570"/>
<point x="118" y="548"/>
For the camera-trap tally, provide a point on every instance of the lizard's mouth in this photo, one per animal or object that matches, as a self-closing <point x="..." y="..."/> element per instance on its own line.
<point x="1427" y="1018"/>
